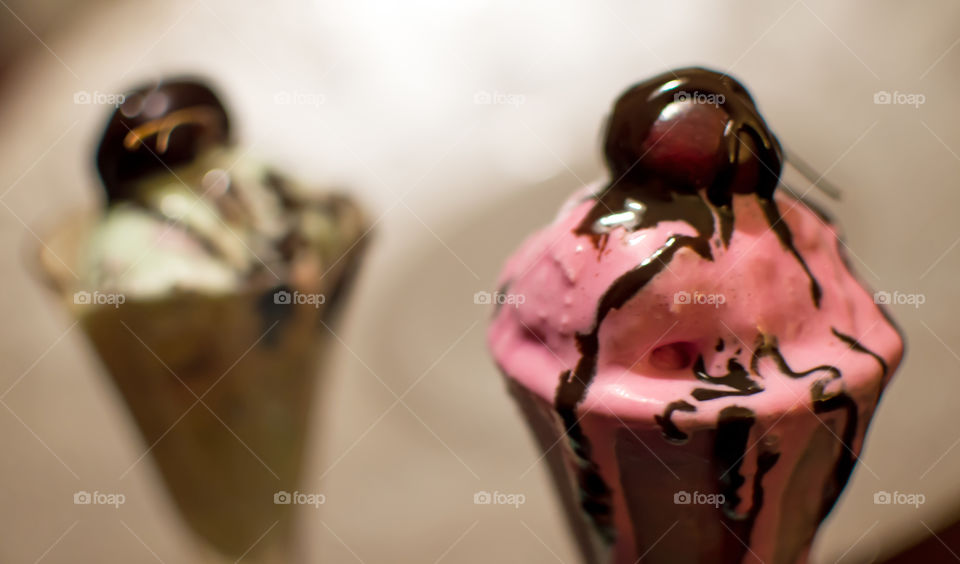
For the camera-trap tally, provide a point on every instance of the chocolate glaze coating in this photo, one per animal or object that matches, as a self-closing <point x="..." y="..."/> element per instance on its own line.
<point x="157" y="127"/>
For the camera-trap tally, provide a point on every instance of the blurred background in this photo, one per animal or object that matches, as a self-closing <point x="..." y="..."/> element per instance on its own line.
<point x="461" y="126"/>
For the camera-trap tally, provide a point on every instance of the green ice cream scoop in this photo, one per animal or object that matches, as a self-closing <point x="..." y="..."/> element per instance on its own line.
<point x="187" y="211"/>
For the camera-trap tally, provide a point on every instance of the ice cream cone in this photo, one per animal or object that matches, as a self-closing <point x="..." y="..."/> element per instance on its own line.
<point x="206" y="286"/>
<point x="692" y="352"/>
<point x="220" y="386"/>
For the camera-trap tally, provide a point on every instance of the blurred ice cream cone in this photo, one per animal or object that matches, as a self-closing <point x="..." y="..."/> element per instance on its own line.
<point x="206" y="287"/>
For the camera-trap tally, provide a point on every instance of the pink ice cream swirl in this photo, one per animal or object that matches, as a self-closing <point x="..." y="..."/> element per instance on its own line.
<point x="691" y="302"/>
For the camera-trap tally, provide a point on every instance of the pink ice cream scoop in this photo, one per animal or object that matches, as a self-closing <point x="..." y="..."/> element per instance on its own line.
<point x="692" y="351"/>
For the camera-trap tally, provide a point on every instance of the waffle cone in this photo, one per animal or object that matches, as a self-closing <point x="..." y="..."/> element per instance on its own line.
<point x="220" y="388"/>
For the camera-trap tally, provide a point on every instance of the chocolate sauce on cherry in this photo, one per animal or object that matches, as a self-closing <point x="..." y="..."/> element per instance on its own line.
<point x="158" y="127"/>
<point x="691" y="126"/>
<point x="681" y="144"/>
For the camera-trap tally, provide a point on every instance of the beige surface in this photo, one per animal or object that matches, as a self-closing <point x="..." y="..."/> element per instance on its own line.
<point x="398" y="119"/>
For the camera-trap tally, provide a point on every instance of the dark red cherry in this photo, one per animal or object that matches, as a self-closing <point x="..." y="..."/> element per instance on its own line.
<point x="157" y="127"/>
<point x="685" y="144"/>
<point x="693" y="129"/>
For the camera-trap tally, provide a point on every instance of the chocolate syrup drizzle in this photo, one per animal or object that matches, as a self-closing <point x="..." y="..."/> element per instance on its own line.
<point x="595" y="494"/>
<point x="670" y="430"/>
<point x="855" y="345"/>
<point x="750" y="162"/>
<point x="730" y="447"/>
<point x="737" y="377"/>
